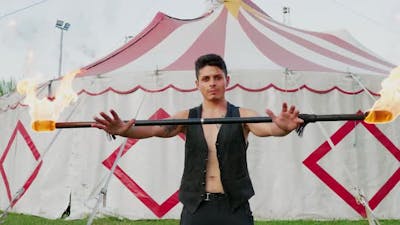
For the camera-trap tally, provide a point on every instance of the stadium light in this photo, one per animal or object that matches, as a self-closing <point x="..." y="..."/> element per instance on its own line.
<point x="63" y="26"/>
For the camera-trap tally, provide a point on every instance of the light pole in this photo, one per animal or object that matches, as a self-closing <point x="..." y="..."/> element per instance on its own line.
<point x="63" y="26"/>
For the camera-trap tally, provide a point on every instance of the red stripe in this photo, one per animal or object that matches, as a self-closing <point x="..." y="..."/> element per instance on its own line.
<point x="343" y="131"/>
<point x="336" y="187"/>
<point x="341" y="43"/>
<point x="10" y="141"/>
<point x="254" y="6"/>
<point x="152" y="35"/>
<point x="5" y="180"/>
<point x="395" y="178"/>
<point x="212" y="40"/>
<point x="28" y="183"/>
<point x="316" y="48"/>
<point x="3" y="157"/>
<point x="385" y="189"/>
<point x="21" y="129"/>
<point x="143" y="196"/>
<point x="276" y="53"/>
<point x="311" y="163"/>
<point x="28" y="140"/>
<point x="383" y="139"/>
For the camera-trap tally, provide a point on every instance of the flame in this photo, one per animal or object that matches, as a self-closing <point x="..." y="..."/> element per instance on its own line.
<point x="387" y="107"/>
<point x="44" y="112"/>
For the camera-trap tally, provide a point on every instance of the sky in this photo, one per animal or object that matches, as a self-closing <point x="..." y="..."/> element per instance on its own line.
<point x="30" y="42"/>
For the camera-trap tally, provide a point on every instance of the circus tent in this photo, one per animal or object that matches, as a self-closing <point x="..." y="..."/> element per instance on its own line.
<point x="246" y="37"/>
<point x="151" y="76"/>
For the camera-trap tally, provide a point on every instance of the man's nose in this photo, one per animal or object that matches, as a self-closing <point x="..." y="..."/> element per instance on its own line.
<point x="213" y="82"/>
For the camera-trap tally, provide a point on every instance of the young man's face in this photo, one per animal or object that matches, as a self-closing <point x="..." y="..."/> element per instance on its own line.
<point x="212" y="82"/>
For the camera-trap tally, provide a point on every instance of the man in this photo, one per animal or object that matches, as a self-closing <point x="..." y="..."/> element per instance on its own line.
<point x="215" y="186"/>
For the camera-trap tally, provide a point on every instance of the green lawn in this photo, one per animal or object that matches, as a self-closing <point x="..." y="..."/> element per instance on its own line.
<point x="19" y="219"/>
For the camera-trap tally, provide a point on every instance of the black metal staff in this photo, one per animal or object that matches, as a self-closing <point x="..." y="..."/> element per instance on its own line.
<point x="308" y="118"/>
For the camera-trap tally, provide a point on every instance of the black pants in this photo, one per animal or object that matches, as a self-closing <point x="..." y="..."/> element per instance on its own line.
<point x="218" y="212"/>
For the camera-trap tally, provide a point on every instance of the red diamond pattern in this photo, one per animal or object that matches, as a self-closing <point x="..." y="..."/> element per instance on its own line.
<point x="312" y="163"/>
<point x="128" y="182"/>
<point x="21" y="129"/>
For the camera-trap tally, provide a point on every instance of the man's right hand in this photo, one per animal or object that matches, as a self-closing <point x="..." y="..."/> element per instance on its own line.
<point x="112" y="125"/>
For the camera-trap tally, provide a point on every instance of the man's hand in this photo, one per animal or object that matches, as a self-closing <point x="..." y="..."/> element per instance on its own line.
<point x="112" y="125"/>
<point x="288" y="119"/>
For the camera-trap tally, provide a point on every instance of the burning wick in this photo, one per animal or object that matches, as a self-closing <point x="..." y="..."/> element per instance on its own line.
<point x="387" y="107"/>
<point x="43" y="111"/>
<point x="379" y="116"/>
<point x="43" y="125"/>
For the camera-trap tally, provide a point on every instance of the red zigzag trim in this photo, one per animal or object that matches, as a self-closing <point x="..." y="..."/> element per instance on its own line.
<point x="139" y="87"/>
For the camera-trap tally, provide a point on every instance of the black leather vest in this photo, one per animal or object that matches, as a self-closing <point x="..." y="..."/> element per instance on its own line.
<point x="231" y="153"/>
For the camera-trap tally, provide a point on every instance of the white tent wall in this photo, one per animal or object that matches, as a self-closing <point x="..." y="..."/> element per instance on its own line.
<point x="31" y="175"/>
<point x="74" y="159"/>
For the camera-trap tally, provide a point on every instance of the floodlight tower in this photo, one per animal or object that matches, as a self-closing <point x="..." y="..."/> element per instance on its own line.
<point x="63" y="26"/>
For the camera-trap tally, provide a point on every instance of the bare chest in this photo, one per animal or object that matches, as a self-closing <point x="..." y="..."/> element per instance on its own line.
<point x="210" y="135"/>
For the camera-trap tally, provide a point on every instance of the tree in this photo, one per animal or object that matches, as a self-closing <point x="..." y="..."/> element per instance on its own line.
<point x="7" y="86"/>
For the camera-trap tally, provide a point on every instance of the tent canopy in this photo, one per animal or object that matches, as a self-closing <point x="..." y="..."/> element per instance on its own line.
<point x="246" y="37"/>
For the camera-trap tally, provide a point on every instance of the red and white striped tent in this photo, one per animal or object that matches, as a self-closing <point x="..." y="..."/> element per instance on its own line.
<point x="246" y="37"/>
<point x="315" y="176"/>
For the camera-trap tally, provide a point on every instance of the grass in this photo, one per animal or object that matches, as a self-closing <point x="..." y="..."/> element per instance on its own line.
<point x="7" y="87"/>
<point x="19" y="219"/>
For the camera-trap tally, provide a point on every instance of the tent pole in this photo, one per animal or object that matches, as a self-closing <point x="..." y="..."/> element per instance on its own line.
<point x="362" y="86"/>
<point x="103" y="192"/>
<point x="102" y="196"/>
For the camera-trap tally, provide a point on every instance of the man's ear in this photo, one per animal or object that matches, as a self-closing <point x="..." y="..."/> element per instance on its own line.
<point x="197" y="83"/>
<point x="228" y="78"/>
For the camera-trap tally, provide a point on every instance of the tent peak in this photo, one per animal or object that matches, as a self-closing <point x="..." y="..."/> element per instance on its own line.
<point x="233" y="6"/>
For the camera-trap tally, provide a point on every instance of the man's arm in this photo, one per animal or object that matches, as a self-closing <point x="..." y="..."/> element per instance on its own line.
<point x="114" y="125"/>
<point x="282" y="124"/>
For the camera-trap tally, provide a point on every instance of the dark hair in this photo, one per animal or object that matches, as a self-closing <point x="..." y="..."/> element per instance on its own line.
<point x="210" y="60"/>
